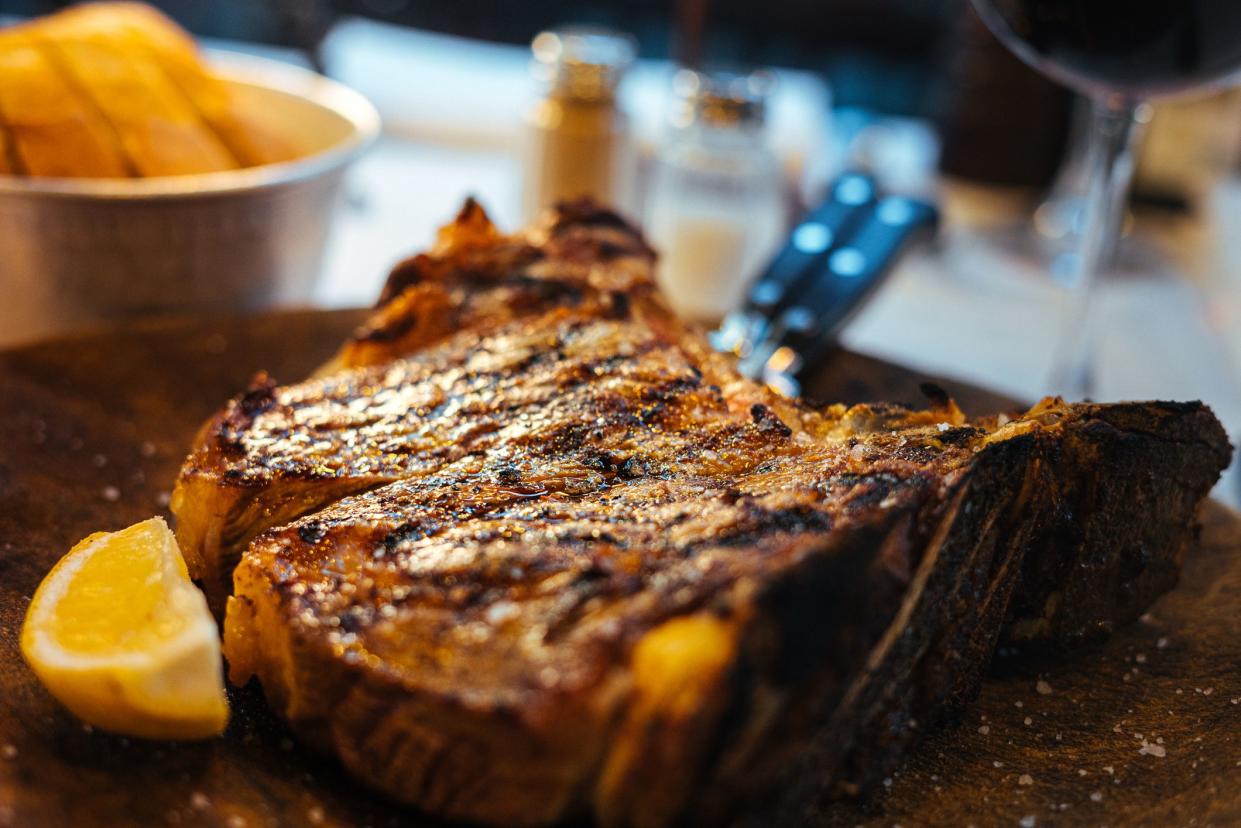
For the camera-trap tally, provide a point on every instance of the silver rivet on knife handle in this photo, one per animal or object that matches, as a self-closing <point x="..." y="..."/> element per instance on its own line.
<point x="739" y="332"/>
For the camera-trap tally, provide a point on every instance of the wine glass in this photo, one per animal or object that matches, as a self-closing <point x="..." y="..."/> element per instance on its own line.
<point x="1119" y="54"/>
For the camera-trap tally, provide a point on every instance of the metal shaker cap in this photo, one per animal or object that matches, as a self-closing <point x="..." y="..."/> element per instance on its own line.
<point x="720" y="99"/>
<point x="582" y="63"/>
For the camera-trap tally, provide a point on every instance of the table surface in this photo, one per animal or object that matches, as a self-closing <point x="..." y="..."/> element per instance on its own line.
<point x="1142" y="730"/>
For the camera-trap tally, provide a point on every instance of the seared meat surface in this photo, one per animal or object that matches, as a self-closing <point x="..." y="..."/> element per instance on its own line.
<point x="528" y="550"/>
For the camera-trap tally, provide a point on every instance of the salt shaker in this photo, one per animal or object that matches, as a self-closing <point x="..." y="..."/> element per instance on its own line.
<point x="577" y="141"/>
<point x="716" y="208"/>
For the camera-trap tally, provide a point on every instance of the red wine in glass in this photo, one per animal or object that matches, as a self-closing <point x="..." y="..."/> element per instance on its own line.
<point x="1118" y="53"/>
<point x="1137" y="48"/>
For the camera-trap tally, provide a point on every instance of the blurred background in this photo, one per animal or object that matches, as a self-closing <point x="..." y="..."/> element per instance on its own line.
<point x="917" y="95"/>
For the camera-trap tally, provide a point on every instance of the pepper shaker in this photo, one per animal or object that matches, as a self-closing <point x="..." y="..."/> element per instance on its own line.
<point x="577" y="141"/>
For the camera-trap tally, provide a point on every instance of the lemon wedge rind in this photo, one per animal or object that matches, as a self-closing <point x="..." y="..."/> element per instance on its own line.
<point x="163" y="687"/>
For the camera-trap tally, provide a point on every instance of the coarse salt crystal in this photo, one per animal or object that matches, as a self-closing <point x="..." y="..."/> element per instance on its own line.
<point x="111" y="494"/>
<point x="1028" y="821"/>
<point x="1097" y="796"/>
<point x="502" y="611"/>
<point x="984" y="730"/>
<point x="1025" y="779"/>
<point x="1149" y="749"/>
<point x="943" y="427"/>
<point x="1043" y="688"/>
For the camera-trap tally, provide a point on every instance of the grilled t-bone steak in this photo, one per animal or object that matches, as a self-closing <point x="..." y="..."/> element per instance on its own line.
<point x="528" y="550"/>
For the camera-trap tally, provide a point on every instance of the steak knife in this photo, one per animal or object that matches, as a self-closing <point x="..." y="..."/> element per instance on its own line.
<point x="833" y="262"/>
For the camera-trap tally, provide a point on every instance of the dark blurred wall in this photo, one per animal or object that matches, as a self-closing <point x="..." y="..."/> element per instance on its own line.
<point x="883" y="54"/>
<point x="282" y="22"/>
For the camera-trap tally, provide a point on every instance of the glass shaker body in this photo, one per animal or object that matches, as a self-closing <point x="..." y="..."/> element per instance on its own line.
<point x="716" y="213"/>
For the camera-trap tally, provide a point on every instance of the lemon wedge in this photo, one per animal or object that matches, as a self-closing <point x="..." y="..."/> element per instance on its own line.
<point x="119" y="634"/>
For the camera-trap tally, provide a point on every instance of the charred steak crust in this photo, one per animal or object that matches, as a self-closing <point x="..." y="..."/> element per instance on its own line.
<point x="528" y="550"/>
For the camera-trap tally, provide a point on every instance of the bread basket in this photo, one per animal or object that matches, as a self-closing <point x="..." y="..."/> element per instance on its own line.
<point x="79" y="251"/>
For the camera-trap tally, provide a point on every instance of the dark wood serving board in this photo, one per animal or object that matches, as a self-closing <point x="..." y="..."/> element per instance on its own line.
<point x="1143" y="730"/>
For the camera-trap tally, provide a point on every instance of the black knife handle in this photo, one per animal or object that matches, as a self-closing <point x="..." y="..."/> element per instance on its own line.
<point x="811" y="241"/>
<point x="852" y="271"/>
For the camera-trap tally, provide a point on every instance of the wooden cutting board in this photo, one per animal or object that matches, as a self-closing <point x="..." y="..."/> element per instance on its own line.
<point x="1143" y="730"/>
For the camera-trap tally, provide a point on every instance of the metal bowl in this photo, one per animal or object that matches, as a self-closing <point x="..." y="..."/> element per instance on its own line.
<point x="79" y="251"/>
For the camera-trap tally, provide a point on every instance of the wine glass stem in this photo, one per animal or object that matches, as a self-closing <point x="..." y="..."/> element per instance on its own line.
<point x="1110" y="160"/>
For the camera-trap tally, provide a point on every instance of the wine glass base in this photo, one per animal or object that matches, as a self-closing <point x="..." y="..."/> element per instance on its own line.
<point x="1005" y="258"/>
<point x="974" y="308"/>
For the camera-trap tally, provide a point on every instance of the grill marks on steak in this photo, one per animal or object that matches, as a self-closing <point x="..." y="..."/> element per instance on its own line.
<point x="529" y="550"/>
<point x="565" y="380"/>
<point x="469" y="545"/>
<point x="556" y="496"/>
